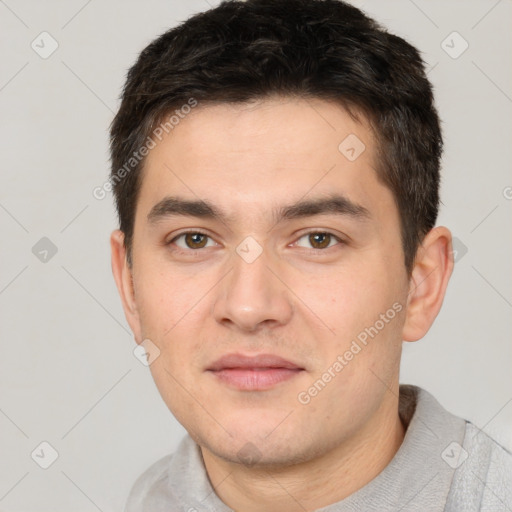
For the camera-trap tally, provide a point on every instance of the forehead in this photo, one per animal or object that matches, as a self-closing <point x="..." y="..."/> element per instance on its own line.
<point x="245" y="157"/>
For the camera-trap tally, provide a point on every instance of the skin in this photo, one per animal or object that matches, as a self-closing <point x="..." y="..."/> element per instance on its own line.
<point x="296" y="300"/>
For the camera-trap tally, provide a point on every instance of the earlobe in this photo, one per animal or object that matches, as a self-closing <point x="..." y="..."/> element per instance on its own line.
<point x="124" y="281"/>
<point x="432" y="270"/>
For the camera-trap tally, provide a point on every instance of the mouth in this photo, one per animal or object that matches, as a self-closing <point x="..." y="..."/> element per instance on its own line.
<point x="253" y="373"/>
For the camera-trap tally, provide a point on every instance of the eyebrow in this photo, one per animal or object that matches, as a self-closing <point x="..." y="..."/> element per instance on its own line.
<point x="333" y="204"/>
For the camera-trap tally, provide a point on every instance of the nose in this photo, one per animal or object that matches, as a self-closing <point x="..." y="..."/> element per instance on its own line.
<point x="252" y="296"/>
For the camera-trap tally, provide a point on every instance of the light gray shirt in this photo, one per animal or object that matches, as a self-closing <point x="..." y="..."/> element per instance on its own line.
<point x="445" y="463"/>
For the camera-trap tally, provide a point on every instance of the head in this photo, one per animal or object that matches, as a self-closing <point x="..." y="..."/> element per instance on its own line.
<point x="275" y="167"/>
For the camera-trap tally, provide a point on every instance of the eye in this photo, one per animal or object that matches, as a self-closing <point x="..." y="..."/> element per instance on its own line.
<point x="318" y="240"/>
<point x="192" y="240"/>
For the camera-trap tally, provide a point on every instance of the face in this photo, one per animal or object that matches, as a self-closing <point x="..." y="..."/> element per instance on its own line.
<point x="268" y="271"/>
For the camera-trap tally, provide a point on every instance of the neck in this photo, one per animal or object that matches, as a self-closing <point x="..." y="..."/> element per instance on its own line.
<point x="315" y="483"/>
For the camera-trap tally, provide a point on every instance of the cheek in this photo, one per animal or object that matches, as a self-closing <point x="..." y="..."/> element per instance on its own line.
<point x="167" y="299"/>
<point x="342" y="298"/>
<point x="362" y="303"/>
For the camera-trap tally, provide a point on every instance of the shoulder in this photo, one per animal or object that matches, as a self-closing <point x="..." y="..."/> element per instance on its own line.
<point x="487" y="451"/>
<point x="175" y="482"/>
<point x="478" y="468"/>
<point x="149" y="485"/>
<point x="483" y="479"/>
<point x="494" y="473"/>
<point x="167" y="481"/>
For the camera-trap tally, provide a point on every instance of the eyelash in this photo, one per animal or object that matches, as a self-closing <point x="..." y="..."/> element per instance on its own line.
<point x="313" y="232"/>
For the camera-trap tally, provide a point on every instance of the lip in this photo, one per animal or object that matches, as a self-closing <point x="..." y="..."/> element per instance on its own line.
<point x="253" y="373"/>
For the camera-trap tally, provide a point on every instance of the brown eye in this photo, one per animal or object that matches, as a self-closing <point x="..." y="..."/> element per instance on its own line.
<point x="192" y="240"/>
<point x="319" y="240"/>
<point x="195" y="240"/>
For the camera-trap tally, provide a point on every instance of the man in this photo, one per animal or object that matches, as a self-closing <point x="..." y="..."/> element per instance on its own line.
<point x="276" y="169"/>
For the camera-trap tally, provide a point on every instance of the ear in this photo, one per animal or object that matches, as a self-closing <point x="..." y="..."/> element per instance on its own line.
<point x="124" y="281"/>
<point x="433" y="267"/>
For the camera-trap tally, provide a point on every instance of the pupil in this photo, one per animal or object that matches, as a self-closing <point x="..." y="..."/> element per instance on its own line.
<point x="320" y="240"/>
<point x="195" y="240"/>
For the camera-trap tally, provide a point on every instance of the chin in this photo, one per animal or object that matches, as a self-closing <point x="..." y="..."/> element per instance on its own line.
<point x="253" y="441"/>
<point x="257" y="453"/>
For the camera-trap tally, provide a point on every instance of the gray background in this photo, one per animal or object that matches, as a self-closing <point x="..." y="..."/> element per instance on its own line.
<point x="68" y="375"/>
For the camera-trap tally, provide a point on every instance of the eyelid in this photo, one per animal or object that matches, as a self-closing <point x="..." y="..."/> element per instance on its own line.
<point x="187" y="231"/>
<point x="341" y="240"/>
